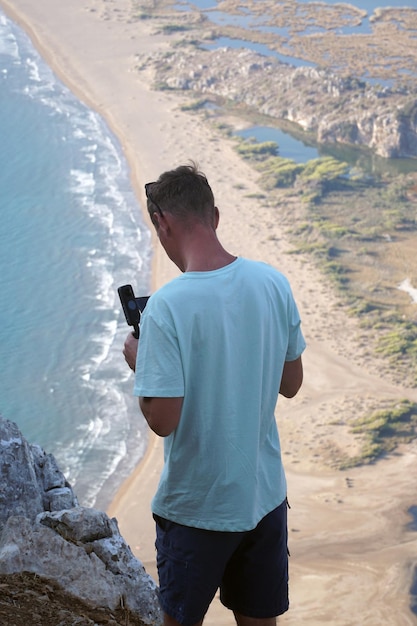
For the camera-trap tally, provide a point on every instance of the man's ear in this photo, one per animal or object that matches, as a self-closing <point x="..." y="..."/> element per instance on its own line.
<point x="161" y="223"/>
<point x="155" y="220"/>
<point x="216" y="217"/>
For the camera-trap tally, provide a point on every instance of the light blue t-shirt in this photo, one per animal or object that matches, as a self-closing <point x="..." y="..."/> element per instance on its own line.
<point x="220" y="339"/>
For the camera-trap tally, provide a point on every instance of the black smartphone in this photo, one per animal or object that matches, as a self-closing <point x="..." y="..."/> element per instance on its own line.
<point x="132" y="306"/>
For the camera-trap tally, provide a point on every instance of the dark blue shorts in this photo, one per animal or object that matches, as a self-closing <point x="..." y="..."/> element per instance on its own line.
<point x="251" y="568"/>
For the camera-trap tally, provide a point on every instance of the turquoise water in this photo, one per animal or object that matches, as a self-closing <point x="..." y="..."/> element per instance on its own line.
<point x="71" y="232"/>
<point x="259" y="48"/>
<point x="288" y="147"/>
<point x="292" y="147"/>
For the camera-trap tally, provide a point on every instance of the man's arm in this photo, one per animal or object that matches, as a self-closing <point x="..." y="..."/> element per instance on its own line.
<point x="292" y="378"/>
<point x="162" y="414"/>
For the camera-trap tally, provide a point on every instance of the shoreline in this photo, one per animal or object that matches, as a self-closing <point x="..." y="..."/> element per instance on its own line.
<point x="352" y="556"/>
<point x="69" y="76"/>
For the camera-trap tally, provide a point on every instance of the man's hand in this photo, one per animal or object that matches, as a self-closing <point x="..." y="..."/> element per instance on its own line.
<point x="130" y="350"/>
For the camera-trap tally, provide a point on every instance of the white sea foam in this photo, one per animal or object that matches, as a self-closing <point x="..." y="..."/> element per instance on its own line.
<point x="104" y="214"/>
<point x="97" y="440"/>
<point x="93" y="488"/>
<point x="90" y="153"/>
<point x="79" y="134"/>
<point x="83" y="182"/>
<point x="104" y="341"/>
<point x="42" y="83"/>
<point x="95" y="242"/>
<point x="8" y="43"/>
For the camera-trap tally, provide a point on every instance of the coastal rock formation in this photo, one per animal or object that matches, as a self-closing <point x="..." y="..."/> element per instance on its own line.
<point x="333" y="108"/>
<point x="43" y="530"/>
<point x="30" y="480"/>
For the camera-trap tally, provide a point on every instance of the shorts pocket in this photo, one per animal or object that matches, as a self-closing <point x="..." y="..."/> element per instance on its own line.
<point x="173" y="581"/>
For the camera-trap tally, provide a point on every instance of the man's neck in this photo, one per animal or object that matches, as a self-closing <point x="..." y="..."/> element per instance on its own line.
<point x="205" y="254"/>
<point x="210" y="264"/>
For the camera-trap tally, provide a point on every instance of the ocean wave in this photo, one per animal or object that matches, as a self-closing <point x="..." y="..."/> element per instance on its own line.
<point x="90" y="152"/>
<point x="8" y="42"/>
<point x="83" y="182"/>
<point x="85" y="237"/>
<point x="95" y="441"/>
<point x="34" y="73"/>
<point x="104" y="340"/>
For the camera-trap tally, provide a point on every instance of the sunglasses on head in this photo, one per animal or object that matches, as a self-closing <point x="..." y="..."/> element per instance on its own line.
<point x="149" y="196"/>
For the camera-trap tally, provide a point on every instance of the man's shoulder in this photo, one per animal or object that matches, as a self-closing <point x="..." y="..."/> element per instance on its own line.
<point x="262" y="268"/>
<point x="168" y="294"/>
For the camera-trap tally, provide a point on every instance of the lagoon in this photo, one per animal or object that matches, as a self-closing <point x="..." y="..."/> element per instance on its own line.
<point x="288" y="147"/>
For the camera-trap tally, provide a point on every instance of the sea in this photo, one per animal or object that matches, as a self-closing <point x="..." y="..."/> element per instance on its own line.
<point x="71" y="232"/>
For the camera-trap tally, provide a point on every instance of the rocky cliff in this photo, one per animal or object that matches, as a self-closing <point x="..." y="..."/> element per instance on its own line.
<point x="333" y="108"/>
<point x="77" y="551"/>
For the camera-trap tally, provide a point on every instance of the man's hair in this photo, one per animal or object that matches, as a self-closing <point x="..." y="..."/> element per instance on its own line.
<point x="183" y="192"/>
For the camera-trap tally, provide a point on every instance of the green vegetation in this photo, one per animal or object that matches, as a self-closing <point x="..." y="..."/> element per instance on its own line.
<point x="275" y="171"/>
<point x="252" y="150"/>
<point x="313" y="178"/>
<point x="399" y="343"/>
<point x="143" y="10"/>
<point x="349" y="224"/>
<point x="278" y="172"/>
<point x="168" y="29"/>
<point x="324" y="169"/>
<point x="195" y="105"/>
<point x="383" y="431"/>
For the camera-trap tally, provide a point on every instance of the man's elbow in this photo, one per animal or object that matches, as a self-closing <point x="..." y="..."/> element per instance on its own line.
<point x="290" y="390"/>
<point x="161" y="414"/>
<point x="160" y="431"/>
<point x="292" y="378"/>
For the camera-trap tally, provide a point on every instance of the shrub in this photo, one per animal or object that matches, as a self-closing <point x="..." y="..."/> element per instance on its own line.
<point x="250" y="149"/>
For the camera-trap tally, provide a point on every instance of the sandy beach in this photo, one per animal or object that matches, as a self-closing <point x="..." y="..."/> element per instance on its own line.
<point x="352" y="557"/>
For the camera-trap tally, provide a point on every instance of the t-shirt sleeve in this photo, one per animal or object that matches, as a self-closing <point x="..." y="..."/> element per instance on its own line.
<point x="296" y="341"/>
<point x="159" y="372"/>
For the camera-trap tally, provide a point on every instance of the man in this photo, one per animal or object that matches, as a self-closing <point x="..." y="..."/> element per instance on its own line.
<point x="217" y="345"/>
